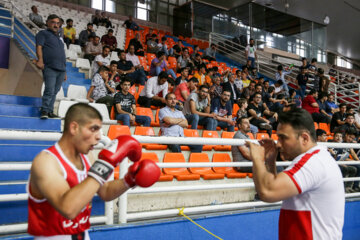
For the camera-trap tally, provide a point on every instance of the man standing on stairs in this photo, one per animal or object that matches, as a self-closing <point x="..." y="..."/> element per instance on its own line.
<point x="51" y="60"/>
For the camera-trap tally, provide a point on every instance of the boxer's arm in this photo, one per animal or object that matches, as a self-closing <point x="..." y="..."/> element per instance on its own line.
<point x="47" y="181"/>
<point x="270" y="187"/>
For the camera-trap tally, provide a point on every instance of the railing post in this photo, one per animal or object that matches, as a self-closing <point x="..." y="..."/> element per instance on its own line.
<point x="109" y="209"/>
<point x="123" y="198"/>
<point x="12" y="20"/>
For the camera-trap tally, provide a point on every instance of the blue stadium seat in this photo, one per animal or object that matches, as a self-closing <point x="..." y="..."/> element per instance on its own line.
<point x="33" y="124"/>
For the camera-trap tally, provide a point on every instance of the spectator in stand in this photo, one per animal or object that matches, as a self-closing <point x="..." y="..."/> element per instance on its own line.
<point x="238" y="82"/>
<point x="184" y="76"/>
<point x="36" y="18"/>
<point x="323" y="107"/>
<point x="171" y="85"/>
<point x="102" y="90"/>
<point x="333" y="71"/>
<point x="95" y="19"/>
<point x="280" y="75"/>
<point x="173" y="122"/>
<point x="105" y="21"/>
<point x="309" y="104"/>
<point x="357" y="118"/>
<point x="163" y="47"/>
<point x="196" y="51"/>
<point x="231" y="87"/>
<point x="250" y="52"/>
<point x="109" y="40"/>
<point x="184" y="89"/>
<point x="312" y="67"/>
<point x="127" y="68"/>
<point x="242" y="112"/>
<point x="222" y="108"/>
<point x="85" y="34"/>
<point x="201" y="74"/>
<point x="154" y="91"/>
<point x="216" y="89"/>
<point x="158" y="64"/>
<point x="125" y="106"/>
<point x="184" y="61"/>
<point x="340" y="155"/>
<point x="349" y="124"/>
<point x="249" y="91"/>
<point x="70" y="33"/>
<point x="324" y="82"/>
<point x="149" y="35"/>
<point x="245" y="77"/>
<point x="350" y="137"/>
<point x="304" y="65"/>
<point x="242" y="153"/>
<point x="197" y="61"/>
<point x="177" y="49"/>
<point x="321" y="135"/>
<point x="130" y="24"/>
<point x="52" y="61"/>
<point x="266" y="85"/>
<point x="332" y="105"/>
<point x="210" y="53"/>
<point x="152" y="46"/>
<point x="102" y="59"/>
<point x="302" y="79"/>
<point x="338" y="119"/>
<point x="114" y="75"/>
<point x="257" y="110"/>
<point x="209" y="76"/>
<point x="93" y="48"/>
<point x="257" y="89"/>
<point x="197" y="110"/>
<point x="61" y="29"/>
<point x="293" y="99"/>
<point x="139" y="50"/>
<point x="131" y="56"/>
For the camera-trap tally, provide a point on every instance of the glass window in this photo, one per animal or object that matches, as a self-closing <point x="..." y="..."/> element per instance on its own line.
<point x="97" y="4"/>
<point x="141" y="12"/>
<point x="110" y="6"/>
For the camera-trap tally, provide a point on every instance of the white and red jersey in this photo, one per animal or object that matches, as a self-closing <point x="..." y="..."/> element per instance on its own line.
<point x="43" y="219"/>
<point x="317" y="212"/>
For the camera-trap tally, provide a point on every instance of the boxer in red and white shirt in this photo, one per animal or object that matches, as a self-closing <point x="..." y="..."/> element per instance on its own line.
<point x="63" y="181"/>
<point x="311" y="188"/>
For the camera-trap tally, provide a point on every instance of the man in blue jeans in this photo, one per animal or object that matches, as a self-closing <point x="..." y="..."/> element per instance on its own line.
<point x="52" y="61"/>
<point x="222" y="108"/>
<point x="197" y="109"/>
<point x="125" y="106"/>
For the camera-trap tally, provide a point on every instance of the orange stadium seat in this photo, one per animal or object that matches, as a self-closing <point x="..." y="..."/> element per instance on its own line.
<point x="148" y="131"/>
<point x="235" y="109"/>
<point x="224" y="134"/>
<point x="261" y="135"/>
<point x="189" y="133"/>
<point x="147" y="112"/>
<point x="325" y="127"/>
<point x="141" y="87"/>
<point x="205" y="172"/>
<point x="251" y="135"/>
<point x="132" y="90"/>
<point x="118" y="130"/>
<point x="316" y="125"/>
<point x="230" y="172"/>
<point x="209" y="134"/>
<point x="112" y="113"/>
<point x="181" y="174"/>
<point x="153" y="156"/>
<point x="274" y="137"/>
<point x="150" y="57"/>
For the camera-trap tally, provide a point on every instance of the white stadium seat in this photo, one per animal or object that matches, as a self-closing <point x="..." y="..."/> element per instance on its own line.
<point x="77" y="93"/>
<point x="82" y="63"/>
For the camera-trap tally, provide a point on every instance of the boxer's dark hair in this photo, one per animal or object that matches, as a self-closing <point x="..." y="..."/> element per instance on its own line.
<point x="300" y="120"/>
<point x="80" y="113"/>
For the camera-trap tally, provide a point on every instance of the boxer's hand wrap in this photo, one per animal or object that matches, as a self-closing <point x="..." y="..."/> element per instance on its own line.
<point x="111" y="156"/>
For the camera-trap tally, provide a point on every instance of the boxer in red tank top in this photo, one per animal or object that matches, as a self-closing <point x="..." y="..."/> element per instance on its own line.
<point x="63" y="181"/>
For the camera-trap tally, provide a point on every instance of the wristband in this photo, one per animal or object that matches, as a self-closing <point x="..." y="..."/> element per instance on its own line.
<point x="101" y="171"/>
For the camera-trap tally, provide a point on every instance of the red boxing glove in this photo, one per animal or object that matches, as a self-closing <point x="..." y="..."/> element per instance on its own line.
<point x="112" y="155"/>
<point x="144" y="174"/>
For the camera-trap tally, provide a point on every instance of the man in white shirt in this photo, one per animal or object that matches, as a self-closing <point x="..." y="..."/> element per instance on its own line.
<point x="130" y="56"/>
<point x="102" y="59"/>
<point x="154" y="91"/>
<point x="311" y="188"/>
<point x="250" y="52"/>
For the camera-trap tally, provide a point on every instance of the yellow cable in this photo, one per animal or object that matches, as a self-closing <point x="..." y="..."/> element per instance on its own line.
<point x="181" y="213"/>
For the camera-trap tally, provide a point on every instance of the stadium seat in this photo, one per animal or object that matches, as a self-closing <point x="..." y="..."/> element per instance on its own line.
<point x="274" y="137"/>
<point x="261" y="135"/>
<point x="147" y="112"/>
<point x="235" y="109"/>
<point x="325" y="127"/>
<point x="181" y="174"/>
<point x="205" y="172"/>
<point x="251" y="135"/>
<point x="230" y="172"/>
<point x="209" y="134"/>
<point x="117" y="130"/>
<point x="224" y="134"/>
<point x="132" y="90"/>
<point x="316" y="125"/>
<point x="82" y="63"/>
<point x="189" y="133"/>
<point x="153" y="156"/>
<point x="76" y="48"/>
<point x="148" y="131"/>
<point x="77" y="93"/>
<point x="138" y="93"/>
<point x="150" y="57"/>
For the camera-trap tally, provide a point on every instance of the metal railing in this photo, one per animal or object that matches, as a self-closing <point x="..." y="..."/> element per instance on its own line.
<point x="123" y="214"/>
<point x="346" y="93"/>
<point x="235" y="51"/>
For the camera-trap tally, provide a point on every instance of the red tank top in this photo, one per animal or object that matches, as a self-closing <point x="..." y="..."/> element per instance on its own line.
<point x="43" y="219"/>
